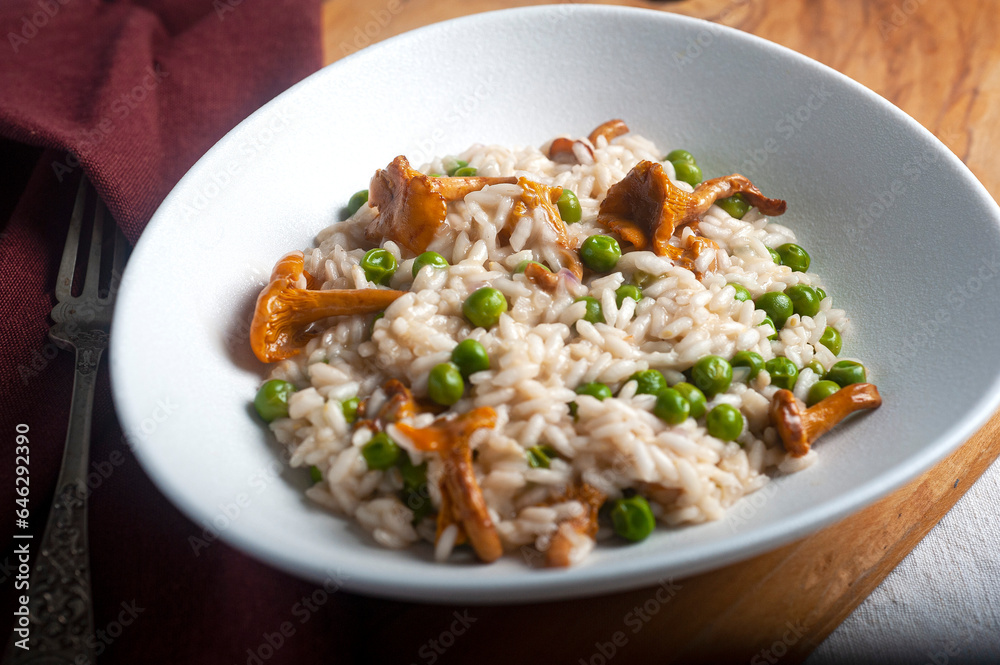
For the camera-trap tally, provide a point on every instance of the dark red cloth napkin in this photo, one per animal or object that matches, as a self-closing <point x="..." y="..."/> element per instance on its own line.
<point x="132" y="94"/>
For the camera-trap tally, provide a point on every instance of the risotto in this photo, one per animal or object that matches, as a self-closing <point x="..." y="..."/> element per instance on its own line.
<point x="531" y="350"/>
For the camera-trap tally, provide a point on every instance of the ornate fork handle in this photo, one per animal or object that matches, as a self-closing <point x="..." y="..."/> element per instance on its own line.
<point x="60" y="607"/>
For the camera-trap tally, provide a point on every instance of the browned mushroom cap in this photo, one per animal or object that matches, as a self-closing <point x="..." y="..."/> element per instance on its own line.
<point x="399" y="404"/>
<point x="549" y="281"/>
<point x="696" y="245"/>
<point x="562" y="151"/>
<point x="799" y="428"/>
<point x="536" y="196"/>
<point x="638" y="206"/>
<point x="462" y="498"/>
<point x="412" y="206"/>
<point x="284" y="311"/>
<point x="541" y="277"/>
<point x="608" y="130"/>
<point x="645" y="207"/>
<point x="561" y="546"/>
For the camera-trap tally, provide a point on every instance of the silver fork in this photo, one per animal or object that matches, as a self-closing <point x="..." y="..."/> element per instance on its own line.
<point x="61" y="620"/>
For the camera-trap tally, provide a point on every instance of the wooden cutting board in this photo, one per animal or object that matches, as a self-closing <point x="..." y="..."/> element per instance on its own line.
<point x="939" y="62"/>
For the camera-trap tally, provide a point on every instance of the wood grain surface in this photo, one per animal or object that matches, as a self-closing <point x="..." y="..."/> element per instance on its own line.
<point x="939" y="62"/>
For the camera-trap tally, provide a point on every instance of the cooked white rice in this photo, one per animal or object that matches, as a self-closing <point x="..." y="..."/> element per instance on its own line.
<point x="540" y="351"/>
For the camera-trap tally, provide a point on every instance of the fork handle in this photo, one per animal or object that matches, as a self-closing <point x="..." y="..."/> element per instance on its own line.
<point x="60" y="609"/>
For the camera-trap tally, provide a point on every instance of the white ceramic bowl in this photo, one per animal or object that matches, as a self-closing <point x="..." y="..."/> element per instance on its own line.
<point x="905" y="236"/>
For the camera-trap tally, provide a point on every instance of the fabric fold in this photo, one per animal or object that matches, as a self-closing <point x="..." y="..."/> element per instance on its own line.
<point x="131" y="94"/>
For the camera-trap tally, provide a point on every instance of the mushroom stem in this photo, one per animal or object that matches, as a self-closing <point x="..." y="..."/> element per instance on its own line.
<point x="454" y="188"/>
<point x="284" y="311"/>
<point x="609" y="130"/>
<point x="560" y="552"/>
<point x="723" y="187"/>
<point x="462" y="498"/>
<point x="799" y="428"/>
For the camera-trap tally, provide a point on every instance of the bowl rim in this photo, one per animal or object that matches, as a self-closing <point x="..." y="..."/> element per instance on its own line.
<point x="579" y="581"/>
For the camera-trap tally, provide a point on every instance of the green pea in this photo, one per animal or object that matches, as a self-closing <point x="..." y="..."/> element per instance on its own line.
<point x="642" y="279"/>
<point x="540" y="457"/>
<point x="671" y="407"/>
<point x="794" y="257"/>
<point x="315" y="474"/>
<point x="767" y="321"/>
<point x="777" y="306"/>
<point x="600" y="253"/>
<point x="357" y="200"/>
<point x="774" y="255"/>
<point x="484" y="306"/>
<point x="736" y="206"/>
<point x="459" y="164"/>
<point x="432" y="259"/>
<point x="817" y="367"/>
<point x="569" y="207"/>
<point x="651" y="382"/>
<point x="595" y="389"/>
<point x="821" y="293"/>
<point x="846" y="372"/>
<point x="419" y="501"/>
<point x="465" y="172"/>
<point x="712" y="375"/>
<point x="742" y="294"/>
<point x="523" y="265"/>
<point x="724" y="422"/>
<point x="679" y="155"/>
<point x="594" y="313"/>
<point x="819" y="391"/>
<point x="632" y="518"/>
<point x="435" y="175"/>
<point x="470" y="357"/>
<point x="805" y="300"/>
<point x="380" y="452"/>
<point x="627" y="291"/>
<point x="694" y="397"/>
<point x="783" y="372"/>
<point x="445" y="385"/>
<point x="379" y="266"/>
<point x="271" y="401"/>
<point x="687" y="172"/>
<point x="749" y="359"/>
<point x="414" y="475"/>
<point x="350" y="409"/>
<point x="414" y="495"/>
<point x="832" y="340"/>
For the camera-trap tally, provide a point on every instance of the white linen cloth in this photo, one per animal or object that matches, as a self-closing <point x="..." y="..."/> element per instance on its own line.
<point x="941" y="605"/>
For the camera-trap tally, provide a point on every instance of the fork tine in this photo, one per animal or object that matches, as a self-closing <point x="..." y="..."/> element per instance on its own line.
<point x="64" y="282"/>
<point x="92" y="280"/>
<point x="118" y="263"/>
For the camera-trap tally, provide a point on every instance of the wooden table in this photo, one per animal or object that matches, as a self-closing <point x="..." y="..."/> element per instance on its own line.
<point x="939" y="62"/>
